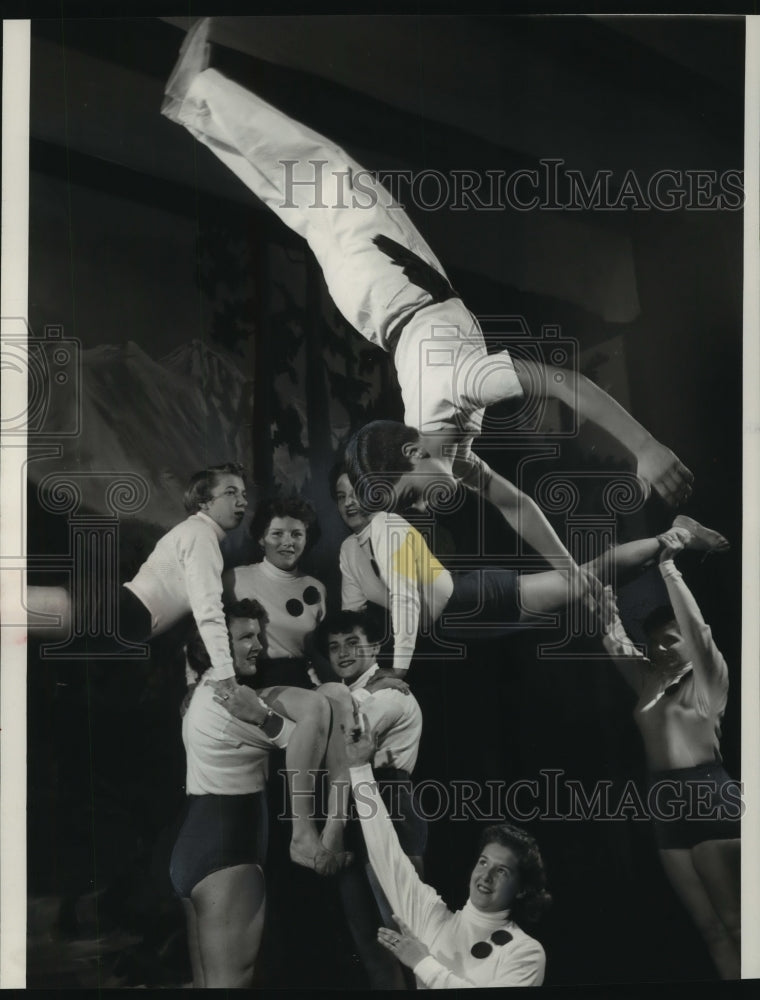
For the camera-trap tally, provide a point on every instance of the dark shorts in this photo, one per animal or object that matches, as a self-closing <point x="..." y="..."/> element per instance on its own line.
<point x="490" y="600"/>
<point x="135" y="622"/>
<point x="400" y="798"/>
<point x="704" y="801"/>
<point x="219" y="831"/>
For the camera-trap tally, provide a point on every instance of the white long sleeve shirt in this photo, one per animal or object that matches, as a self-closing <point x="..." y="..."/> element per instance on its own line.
<point x="225" y="756"/>
<point x="295" y="604"/>
<point x="416" y="587"/>
<point x="447" y="936"/>
<point x="396" y="719"/>
<point x="183" y="574"/>
<point x="681" y="726"/>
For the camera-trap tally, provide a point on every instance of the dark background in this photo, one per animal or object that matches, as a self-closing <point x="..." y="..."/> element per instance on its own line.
<point x="138" y="234"/>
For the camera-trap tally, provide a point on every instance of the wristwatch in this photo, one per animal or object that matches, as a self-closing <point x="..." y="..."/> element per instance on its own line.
<point x="272" y="723"/>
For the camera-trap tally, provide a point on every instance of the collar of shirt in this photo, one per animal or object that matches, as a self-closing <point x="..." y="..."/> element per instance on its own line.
<point x="490" y="920"/>
<point x="361" y="682"/>
<point x="218" y="531"/>
<point x="362" y="537"/>
<point x="275" y="573"/>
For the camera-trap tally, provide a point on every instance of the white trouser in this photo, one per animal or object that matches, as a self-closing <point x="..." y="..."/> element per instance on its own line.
<point x="338" y="207"/>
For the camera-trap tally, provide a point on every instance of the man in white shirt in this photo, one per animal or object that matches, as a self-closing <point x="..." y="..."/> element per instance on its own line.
<point x="480" y="945"/>
<point x="390" y="286"/>
<point x="351" y="641"/>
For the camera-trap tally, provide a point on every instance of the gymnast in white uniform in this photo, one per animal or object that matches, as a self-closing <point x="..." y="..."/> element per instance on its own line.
<point x="389" y="285"/>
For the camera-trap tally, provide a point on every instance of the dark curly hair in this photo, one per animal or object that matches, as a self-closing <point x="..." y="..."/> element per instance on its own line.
<point x="202" y="483"/>
<point x="343" y="622"/>
<point x="295" y="507"/>
<point x="533" y="899"/>
<point x="197" y="654"/>
<point x="375" y="461"/>
<point x="663" y="615"/>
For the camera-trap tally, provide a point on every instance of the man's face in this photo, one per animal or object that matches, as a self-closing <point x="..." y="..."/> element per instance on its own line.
<point x="245" y="634"/>
<point x="228" y="502"/>
<point x="351" y="653"/>
<point x="495" y="879"/>
<point x="351" y="513"/>
<point x="430" y="479"/>
<point x="667" y="649"/>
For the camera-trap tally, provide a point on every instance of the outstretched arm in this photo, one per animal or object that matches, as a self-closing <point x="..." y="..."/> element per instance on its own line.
<point x="416" y="903"/>
<point x="525" y="517"/>
<point x="656" y="465"/>
<point x="201" y="561"/>
<point x="708" y="663"/>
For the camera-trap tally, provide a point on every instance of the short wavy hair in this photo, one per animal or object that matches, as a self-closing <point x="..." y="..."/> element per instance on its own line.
<point x="343" y="622"/>
<point x="533" y="899"/>
<point x="295" y="507"/>
<point x="202" y="483"/>
<point x="197" y="654"/>
<point x="375" y="461"/>
<point x="661" y="616"/>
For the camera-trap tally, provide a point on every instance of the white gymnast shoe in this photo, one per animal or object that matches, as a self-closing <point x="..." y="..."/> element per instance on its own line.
<point x="193" y="59"/>
<point x="702" y="539"/>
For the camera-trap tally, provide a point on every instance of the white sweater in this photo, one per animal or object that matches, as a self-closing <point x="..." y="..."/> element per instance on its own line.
<point x="225" y="756"/>
<point x="396" y="719"/>
<point x="294" y="603"/>
<point x="447" y="936"/>
<point x="183" y="574"/>
<point x="414" y="584"/>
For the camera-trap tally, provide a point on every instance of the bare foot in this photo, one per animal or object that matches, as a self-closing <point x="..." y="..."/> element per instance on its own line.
<point x="193" y="59"/>
<point x="702" y="539"/>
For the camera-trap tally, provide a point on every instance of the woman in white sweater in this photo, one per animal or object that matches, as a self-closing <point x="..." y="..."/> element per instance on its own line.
<point x="218" y="858"/>
<point x="480" y="945"/>
<point x="295" y="603"/>
<point x="183" y="573"/>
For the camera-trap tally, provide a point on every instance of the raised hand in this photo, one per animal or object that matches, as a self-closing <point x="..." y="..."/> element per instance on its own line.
<point x="387" y="679"/>
<point x="585" y="587"/>
<point x="661" y="470"/>
<point x="673" y="541"/>
<point x="404" y="943"/>
<point x="361" y="741"/>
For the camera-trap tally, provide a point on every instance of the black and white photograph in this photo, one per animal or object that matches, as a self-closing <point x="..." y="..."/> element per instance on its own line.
<point x="375" y="498"/>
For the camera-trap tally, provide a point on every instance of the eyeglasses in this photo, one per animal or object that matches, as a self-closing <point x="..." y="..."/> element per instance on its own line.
<point x="482" y="949"/>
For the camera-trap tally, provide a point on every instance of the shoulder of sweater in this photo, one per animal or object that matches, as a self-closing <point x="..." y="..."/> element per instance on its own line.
<point x="244" y="570"/>
<point x="525" y="942"/>
<point x="405" y="701"/>
<point x="193" y="525"/>
<point x="386" y="519"/>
